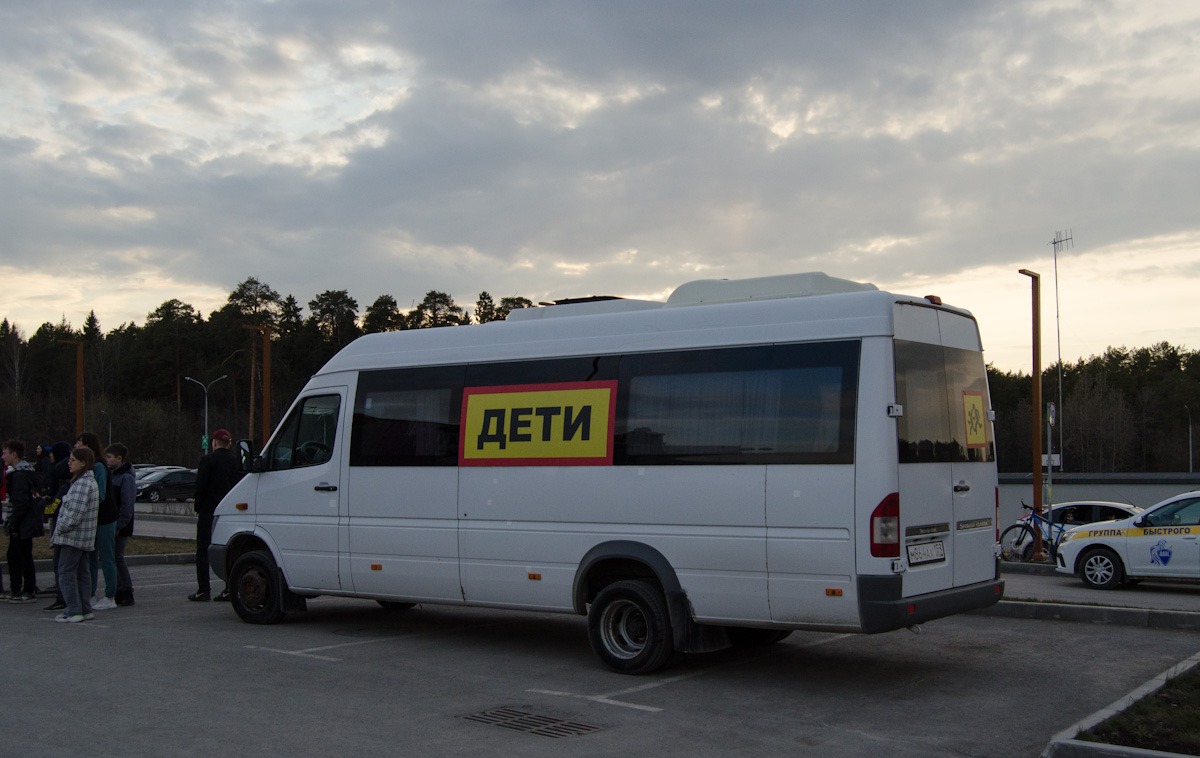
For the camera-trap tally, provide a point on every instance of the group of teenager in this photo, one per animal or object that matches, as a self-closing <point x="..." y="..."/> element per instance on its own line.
<point x="88" y="496"/>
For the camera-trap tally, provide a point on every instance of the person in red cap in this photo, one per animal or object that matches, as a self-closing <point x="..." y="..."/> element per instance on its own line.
<point x="215" y="476"/>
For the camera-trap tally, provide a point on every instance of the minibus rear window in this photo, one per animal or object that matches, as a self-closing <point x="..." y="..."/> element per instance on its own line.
<point x="938" y="387"/>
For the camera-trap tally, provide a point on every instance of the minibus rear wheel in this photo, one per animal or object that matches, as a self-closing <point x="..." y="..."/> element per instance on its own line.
<point x="629" y="628"/>
<point x="254" y="588"/>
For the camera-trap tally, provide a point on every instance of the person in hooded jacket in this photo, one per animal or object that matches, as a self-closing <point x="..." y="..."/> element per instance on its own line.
<point x="3" y="499"/>
<point x="125" y="486"/>
<point x="104" y="556"/>
<point x="23" y="524"/>
<point x="60" y="480"/>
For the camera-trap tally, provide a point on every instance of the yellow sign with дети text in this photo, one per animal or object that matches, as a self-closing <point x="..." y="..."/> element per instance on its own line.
<point x="562" y="424"/>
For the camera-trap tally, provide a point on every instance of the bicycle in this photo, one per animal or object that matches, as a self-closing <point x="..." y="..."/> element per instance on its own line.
<point x="1018" y="541"/>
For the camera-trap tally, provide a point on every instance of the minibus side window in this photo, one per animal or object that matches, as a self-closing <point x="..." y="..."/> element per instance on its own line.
<point x="762" y="405"/>
<point x="407" y="417"/>
<point x="307" y="437"/>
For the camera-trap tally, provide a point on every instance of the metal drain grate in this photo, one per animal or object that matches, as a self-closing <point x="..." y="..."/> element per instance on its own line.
<point x="532" y="723"/>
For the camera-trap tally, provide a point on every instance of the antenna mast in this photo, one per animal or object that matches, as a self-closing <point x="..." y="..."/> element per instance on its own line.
<point x="1061" y="241"/>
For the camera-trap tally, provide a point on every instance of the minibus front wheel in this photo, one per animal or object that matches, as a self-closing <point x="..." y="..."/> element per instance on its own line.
<point x="254" y="588"/>
<point x="629" y="627"/>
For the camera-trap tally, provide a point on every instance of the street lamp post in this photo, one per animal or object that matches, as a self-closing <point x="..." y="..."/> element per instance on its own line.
<point x="205" y="387"/>
<point x="1037" y="404"/>
<point x="78" y="384"/>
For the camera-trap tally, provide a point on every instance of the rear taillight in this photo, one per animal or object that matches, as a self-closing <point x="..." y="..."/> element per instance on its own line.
<point x="885" y="527"/>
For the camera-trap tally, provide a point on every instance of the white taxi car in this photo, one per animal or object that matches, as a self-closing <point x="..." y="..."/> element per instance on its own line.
<point x="1162" y="541"/>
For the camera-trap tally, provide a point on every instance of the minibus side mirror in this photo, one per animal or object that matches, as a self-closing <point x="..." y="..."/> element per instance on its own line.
<point x="247" y="458"/>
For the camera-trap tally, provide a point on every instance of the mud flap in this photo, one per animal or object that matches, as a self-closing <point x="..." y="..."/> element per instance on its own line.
<point x="690" y="637"/>
<point x="289" y="602"/>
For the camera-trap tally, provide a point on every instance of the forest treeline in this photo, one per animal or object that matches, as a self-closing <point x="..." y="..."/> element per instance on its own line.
<point x="136" y="377"/>
<point x="1128" y="410"/>
<point x="1124" y="411"/>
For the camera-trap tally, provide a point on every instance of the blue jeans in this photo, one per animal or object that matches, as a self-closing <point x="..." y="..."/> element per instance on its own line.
<point x="73" y="579"/>
<point x="103" y="557"/>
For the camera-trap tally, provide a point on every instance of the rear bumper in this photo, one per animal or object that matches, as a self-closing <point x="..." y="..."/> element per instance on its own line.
<point x="883" y="608"/>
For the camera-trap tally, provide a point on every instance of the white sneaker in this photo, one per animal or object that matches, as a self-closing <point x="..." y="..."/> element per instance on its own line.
<point x="104" y="604"/>
<point x="89" y="617"/>
<point x="65" y="619"/>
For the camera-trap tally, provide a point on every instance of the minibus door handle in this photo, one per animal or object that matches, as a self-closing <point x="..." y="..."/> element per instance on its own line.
<point x="322" y="487"/>
<point x="962" y="487"/>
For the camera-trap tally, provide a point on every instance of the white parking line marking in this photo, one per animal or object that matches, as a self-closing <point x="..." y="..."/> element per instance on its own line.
<point x="310" y="652"/>
<point x="607" y="698"/>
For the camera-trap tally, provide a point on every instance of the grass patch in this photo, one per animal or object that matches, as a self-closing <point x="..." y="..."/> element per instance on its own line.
<point x="1168" y="720"/>
<point x="134" y="546"/>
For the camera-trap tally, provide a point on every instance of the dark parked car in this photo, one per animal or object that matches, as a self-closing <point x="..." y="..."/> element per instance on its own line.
<point x="167" y="484"/>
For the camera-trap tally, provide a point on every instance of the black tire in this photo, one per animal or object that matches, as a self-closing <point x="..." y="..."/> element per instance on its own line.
<point x="254" y="588"/>
<point x="744" y="637"/>
<point x="1101" y="569"/>
<point x="629" y="628"/>
<point x="395" y="605"/>
<point x="154" y="496"/>
<point x="1017" y="543"/>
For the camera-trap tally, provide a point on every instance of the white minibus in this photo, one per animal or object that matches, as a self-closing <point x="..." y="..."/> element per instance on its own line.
<point x="748" y="458"/>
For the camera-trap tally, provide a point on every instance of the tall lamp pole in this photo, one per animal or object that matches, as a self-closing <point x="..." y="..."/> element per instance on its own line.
<point x="1036" y="402"/>
<point x="78" y="384"/>
<point x="266" y="379"/>
<point x="205" y="387"/>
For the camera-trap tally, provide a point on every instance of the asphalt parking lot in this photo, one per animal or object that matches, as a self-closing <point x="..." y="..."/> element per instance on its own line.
<point x="171" y="678"/>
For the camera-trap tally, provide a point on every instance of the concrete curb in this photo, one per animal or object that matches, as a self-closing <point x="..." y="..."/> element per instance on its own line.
<point x="1064" y="744"/>
<point x="1094" y="614"/>
<point x="47" y="564"/>
<point x="1039" y="569"/>
<point x="164" y="517"/>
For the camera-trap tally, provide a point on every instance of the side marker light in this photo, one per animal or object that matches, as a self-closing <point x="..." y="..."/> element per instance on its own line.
<point x="377" y="567"/>
<point x="833" y="592"/>
<point x="242" y="506"/>
<point x="535" y="577"/>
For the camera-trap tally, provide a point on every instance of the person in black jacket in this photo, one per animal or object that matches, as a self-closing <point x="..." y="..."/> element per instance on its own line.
<point x="60" y="481"/>
<point x="215" y="476"/>
<point x="124" y="484"/>
<point x="44" y="465"/>
<point x="24" y="524"/>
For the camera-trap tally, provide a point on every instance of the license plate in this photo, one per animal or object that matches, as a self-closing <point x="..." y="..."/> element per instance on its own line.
<point x="926" y="552"/>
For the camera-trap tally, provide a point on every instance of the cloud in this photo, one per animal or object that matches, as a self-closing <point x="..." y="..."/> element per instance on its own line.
<point x="581" y="148"/>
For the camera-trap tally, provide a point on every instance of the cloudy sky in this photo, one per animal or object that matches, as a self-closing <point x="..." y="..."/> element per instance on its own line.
<point x="155" y="150"/>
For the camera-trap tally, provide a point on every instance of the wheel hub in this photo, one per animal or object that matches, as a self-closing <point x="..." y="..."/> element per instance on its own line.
<point x="252" y="589"/>
<point x="624" y="629"/>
